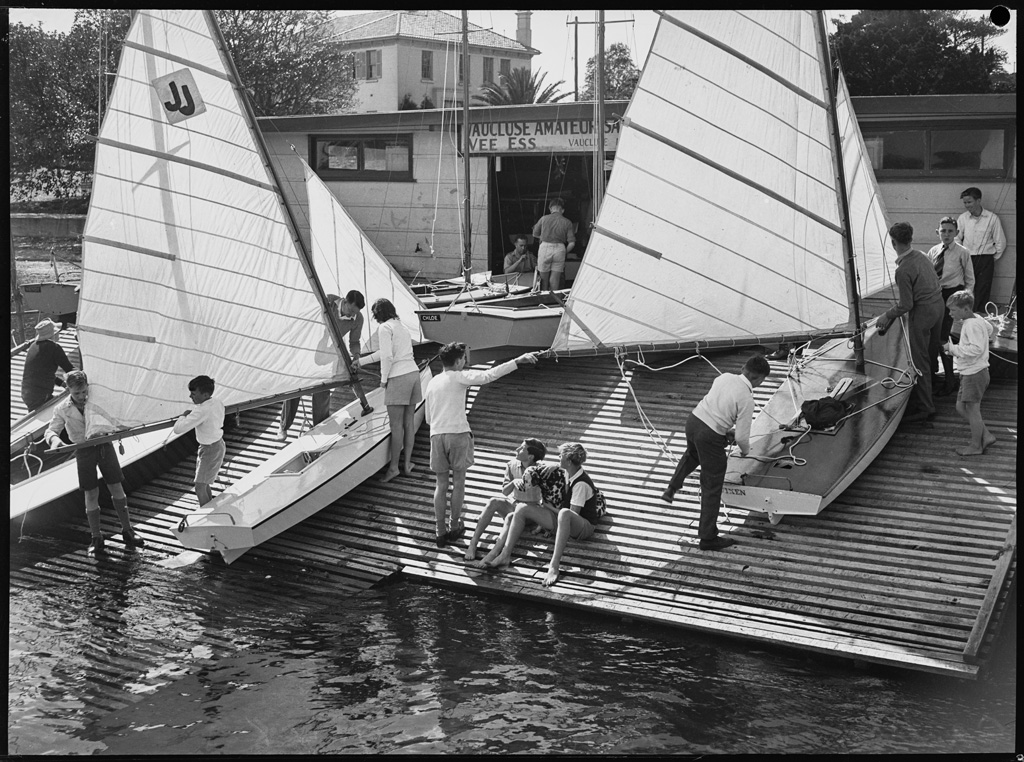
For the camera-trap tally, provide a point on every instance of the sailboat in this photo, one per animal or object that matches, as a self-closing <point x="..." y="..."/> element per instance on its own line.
<point x="192" y="265"/>
<point x="742" y="210"/>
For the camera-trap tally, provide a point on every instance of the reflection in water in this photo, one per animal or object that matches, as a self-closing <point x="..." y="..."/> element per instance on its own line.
<point x="127" y="657"/>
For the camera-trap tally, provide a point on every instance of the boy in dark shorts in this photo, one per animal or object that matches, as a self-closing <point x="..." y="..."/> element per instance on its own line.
<point x="70" y="416"/>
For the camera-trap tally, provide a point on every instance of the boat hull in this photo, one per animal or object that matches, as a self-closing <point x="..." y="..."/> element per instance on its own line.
<point x="443" y="293"/>
<point x="792" y="470"/>
<point x="61" y="479"/>
<point x="306" y="476"/>
<point x="517" y="322"/>
<point x="30" y="427"/>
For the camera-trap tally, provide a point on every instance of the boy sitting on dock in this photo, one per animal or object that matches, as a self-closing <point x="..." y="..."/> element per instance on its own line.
<point x="69" y="416"/>
<point x="972" y="352"/>
<point x="574" y="516"/>
<point x="513" y="489"/>
<point x="207" y="418"/>
<point x="451" y="439"/>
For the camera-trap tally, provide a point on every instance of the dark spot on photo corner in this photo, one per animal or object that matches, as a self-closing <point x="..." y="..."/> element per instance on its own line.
<point x="1000" y="15"/>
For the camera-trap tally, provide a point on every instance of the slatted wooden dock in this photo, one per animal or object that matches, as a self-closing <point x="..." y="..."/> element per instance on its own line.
<point x="908" y="568"/>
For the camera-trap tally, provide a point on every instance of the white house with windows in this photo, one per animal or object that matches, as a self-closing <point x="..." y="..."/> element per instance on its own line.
<point x="419" y="54"/>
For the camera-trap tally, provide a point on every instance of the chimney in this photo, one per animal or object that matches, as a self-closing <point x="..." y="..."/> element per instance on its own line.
<point x="523" y="34"/>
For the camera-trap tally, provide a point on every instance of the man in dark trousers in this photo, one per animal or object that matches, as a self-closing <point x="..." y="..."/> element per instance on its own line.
<point x="725" y="413"/>
<point x="920" y="299"/>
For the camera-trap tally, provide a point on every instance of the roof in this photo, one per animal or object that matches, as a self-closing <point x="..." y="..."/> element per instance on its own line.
<point x="984" y="106"/>
<point x="437" y="26"/>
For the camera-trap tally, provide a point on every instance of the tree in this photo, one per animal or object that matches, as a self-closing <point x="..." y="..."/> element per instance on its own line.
<point x="286" y="60"/>
<point x="915" y="53"/>
<point x="620" y="74"/>
<point x="520" y="86"/>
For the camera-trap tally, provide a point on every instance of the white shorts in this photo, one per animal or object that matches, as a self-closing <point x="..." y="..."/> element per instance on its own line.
<point x="551" y="258"/>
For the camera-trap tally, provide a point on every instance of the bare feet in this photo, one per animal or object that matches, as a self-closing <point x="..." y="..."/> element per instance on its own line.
<point x="409" y="468"/>
<point x="498" y="564"/>
<point x="551" y="579"/>
<point x="281" y="436"/>
<point x="967" y="452"/>
<point x="988" y="442"/>
<point x="389" y="475"/>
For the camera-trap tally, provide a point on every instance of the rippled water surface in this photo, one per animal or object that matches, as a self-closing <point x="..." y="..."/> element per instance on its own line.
<point x="131" y="658"/>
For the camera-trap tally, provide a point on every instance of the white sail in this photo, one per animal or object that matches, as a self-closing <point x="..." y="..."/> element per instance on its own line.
<point x="345" y="259"/>
<point x="868" y="218"/>
<point x="190" y="266"/>
<point x="722" y="216"/>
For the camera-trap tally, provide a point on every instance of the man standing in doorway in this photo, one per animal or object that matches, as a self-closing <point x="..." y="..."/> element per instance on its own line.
<point x="556" y="240"/>
<point x="981" y="233"/>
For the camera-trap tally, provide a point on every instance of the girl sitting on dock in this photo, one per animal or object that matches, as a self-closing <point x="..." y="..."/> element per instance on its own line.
<point x="576" y="517"/>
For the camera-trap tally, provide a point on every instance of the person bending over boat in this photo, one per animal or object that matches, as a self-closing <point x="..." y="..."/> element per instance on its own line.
<point x="574" y="516"/>
<point x="451" y="439"/>
<point x="350" y="323"/>
<point x="207" y="418"/>
<point x="920" y="299"/>
<point x="42" y="361"/>
<point x="556" y="240"/>
<point x="69" y="416"/>
<point x="724" y="414"/>
<point x="401" y="381"/>
<point x="513" y="489"/>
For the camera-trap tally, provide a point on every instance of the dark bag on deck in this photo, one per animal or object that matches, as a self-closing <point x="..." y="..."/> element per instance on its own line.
<point x="823" y="413"/>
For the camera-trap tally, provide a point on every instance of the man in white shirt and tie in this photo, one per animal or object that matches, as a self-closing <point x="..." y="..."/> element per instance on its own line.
<point x="952" y="264"/>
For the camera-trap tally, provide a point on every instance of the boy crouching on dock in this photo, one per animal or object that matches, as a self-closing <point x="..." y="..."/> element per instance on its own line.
<point x="69" y="416"/>
<point x="972" y="352"/>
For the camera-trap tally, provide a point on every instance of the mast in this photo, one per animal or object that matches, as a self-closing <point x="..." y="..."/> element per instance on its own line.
<point x="599" y="116"/>
<point x="467" y="246"/>
<point x="828" y="71"/>
<point x="306" y="260"/>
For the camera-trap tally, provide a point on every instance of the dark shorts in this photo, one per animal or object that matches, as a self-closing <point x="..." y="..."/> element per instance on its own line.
<point x="103" y="456"/>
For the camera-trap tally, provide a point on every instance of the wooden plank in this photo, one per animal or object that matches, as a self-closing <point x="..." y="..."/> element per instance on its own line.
<point x="999" y="574"/>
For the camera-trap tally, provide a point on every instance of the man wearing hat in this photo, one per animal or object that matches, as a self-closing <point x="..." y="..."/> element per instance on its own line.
<point x="42" y="360"/>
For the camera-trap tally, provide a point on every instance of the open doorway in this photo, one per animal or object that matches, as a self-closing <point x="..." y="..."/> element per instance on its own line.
<point x="522" y="186"/>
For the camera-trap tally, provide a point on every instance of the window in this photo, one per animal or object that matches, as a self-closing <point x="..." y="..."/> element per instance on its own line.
<point x="506" y="66"/>
<point x="488" y="70"/>
<point x="366" y="64"/>
<point x="367" y="157"/>
<point x="427" y="65"/>
<point x="939" y="150"/>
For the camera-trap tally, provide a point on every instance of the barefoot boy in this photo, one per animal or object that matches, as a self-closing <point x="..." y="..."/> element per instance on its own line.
<point x="451" y="440"/>
<point x="207" y="418"/>
<point x="513" y="489"/>
<point x="972" y="352"/>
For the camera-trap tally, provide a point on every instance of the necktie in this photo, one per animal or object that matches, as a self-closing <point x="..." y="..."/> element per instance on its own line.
<point x="939" y="262"/>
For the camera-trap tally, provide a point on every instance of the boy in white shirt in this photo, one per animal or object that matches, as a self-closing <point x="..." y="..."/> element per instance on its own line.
<point x="207" y="418"/>
<point x="451" y="439"/>
<point x="972" y="352"/>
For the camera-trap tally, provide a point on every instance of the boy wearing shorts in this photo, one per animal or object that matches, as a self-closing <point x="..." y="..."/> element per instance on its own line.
<point x="69" y="416"/>
<point x="207" y="418"/>
<point x="513" y="489"/>
<point x="556" y="240"/>
<point x="451" y="439"/>
<point x="972" y="352"/>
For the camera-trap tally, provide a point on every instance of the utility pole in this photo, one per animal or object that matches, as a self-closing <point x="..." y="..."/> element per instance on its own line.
<point x="467" y="254"/>
<point x="576" y="55"/>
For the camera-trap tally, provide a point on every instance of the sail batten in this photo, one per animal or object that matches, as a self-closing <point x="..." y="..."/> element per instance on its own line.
<point x="722" y="218"/>
<point x="188" y="241"/>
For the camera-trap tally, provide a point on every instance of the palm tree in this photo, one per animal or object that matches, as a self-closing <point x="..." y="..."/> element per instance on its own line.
<point x="519" y="86"/>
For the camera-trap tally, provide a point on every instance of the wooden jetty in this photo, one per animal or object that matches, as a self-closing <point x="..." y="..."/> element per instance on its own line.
<point x="911" y="567"/>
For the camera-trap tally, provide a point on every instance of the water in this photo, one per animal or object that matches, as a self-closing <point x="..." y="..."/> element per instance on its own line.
<point x="131" y="658"/>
